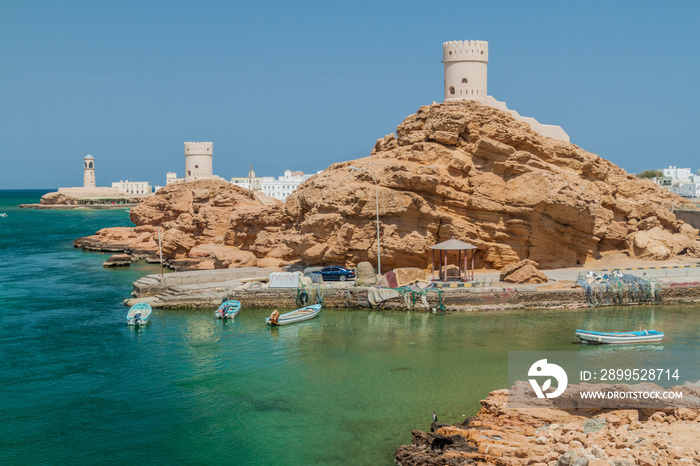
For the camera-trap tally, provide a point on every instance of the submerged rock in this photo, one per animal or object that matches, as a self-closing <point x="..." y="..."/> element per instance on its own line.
<point x="118" y="260"/>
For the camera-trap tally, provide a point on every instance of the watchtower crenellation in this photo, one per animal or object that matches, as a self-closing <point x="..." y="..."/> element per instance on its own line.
<point x="456" y="50"/>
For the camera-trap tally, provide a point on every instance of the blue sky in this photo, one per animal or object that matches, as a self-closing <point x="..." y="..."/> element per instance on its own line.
<point x="301" y="85"/>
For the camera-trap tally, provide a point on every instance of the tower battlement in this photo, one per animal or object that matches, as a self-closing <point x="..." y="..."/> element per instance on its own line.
<point x="465" y="50"/>
<point x="199" y="148"/>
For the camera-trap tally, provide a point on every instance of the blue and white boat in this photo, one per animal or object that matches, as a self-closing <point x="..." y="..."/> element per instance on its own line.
<point x="139" y="314"/>
<point x="642" y="336"/>
<point x="228" y="310"/>
<point x="300" y="315"/>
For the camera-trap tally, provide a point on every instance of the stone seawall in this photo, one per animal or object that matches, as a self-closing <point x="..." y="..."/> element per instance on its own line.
<point x="207" y="289"/>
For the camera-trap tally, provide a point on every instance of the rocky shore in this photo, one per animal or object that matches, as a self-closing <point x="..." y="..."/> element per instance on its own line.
<point x="502" y="436"/>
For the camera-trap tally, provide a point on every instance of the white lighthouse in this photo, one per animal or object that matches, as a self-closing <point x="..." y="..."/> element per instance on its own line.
<point x="198" y="160"/>
<point x="89" y="172"/>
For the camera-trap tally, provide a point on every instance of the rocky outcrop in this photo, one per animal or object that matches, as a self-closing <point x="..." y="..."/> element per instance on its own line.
<point x="455" y="169"/>
<point x="502" y="436"/>
<point x="365" y="275"/>
<point x="525" y="271"/>
<point x="118" y="260"/>
<point x="465" y="170"/>
<point x="194" y="219"/>
<point x="58" y="198"/>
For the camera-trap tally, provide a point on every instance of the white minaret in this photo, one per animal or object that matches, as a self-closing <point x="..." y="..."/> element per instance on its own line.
<point x="198" y="160"/>
<point x="89" y="172"/>
<point x="465" y="69"/>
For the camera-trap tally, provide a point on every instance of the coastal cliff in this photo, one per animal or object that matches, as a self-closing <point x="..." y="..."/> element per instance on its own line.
<point x="455" y="169"/>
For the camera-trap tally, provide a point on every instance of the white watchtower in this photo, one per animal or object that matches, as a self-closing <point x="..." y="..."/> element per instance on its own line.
<point x="198" y="160"/>
<point x="465" y="69"/>
<point x="89" y="172"/>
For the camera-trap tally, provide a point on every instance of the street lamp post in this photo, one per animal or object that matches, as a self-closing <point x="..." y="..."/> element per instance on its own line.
<point x="376" y="192"/>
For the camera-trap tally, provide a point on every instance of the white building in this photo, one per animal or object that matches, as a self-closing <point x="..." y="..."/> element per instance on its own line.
<point x="279" y="188"/>
<point x="251" y="181"/>
<point x="466" y="79"/>
<point x="691" y="190"/>
<point x="90" y="194"/>
<point x="678" y="175"/>
<point x="171" y="177"/>
<point x="133" y="187"/>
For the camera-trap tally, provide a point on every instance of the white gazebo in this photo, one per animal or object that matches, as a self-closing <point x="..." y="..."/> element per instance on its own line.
<point x="453" y="244"/>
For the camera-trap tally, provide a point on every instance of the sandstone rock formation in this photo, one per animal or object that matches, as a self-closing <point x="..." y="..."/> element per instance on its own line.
<point x="455" y="169"/>
<point x="58" y="198"/>
<point x="194" y="219"/>
<point x="525" y="271"/>
<point x="365" y="274"/>
<point x="499" y="435"/>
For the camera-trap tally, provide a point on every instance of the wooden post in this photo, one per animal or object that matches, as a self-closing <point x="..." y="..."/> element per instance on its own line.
<point x="459" y="265"/>
<point x="445" y="272"/>
<point x="473" y="253"/>
<point x="467" y="276"/>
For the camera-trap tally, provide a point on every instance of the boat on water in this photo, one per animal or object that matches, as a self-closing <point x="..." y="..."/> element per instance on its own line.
<point x="228" y="310"/>
<point x="139" y="314"/>
<point x="300" y="315"/>
<point x="642" y="336"/>
<point x="3" y="214"/>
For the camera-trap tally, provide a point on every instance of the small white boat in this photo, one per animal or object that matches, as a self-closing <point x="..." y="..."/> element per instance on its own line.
<point x="228" y="310"/>
<point x="139" y="314"/>
<point x="300" y="315"/>
<point x="3" y="214"/>
<point x="643" y="336"/>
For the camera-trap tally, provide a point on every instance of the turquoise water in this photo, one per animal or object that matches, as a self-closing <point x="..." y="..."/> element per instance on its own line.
<point x="80" y="387"/>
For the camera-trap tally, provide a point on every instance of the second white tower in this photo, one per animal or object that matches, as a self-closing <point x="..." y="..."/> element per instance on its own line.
<point x="198" y="160"/>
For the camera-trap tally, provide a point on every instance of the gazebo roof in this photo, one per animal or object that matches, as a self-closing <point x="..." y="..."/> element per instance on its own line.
<point x="453" y="245"/>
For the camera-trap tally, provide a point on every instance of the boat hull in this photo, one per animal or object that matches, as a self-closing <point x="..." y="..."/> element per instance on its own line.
<point x="645" y="336"/>
<point x="138" y="314"/>
<point x="299" y="315"/>
<point x="228" y="310"/>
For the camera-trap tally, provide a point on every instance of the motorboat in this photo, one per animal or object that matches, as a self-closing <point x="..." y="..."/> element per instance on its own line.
<point x="299" y="315"/>
<point x="228" y="310"/>
<point x="139" y="314"/>
<point x="642" y="336"/>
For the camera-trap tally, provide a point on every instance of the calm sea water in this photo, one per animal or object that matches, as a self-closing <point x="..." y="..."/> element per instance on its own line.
<point x="80" y="387"/>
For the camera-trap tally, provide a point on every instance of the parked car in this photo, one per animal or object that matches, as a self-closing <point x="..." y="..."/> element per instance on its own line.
<point x="336" y="273"/>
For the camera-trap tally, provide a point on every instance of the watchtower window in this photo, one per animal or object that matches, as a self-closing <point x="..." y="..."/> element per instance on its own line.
<point x="452" y="90"/>
<point x="464" y="81"/>
<point x="196" y="166"/>
<point x="89" y="164"/>
<point x="189" y="173"/>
